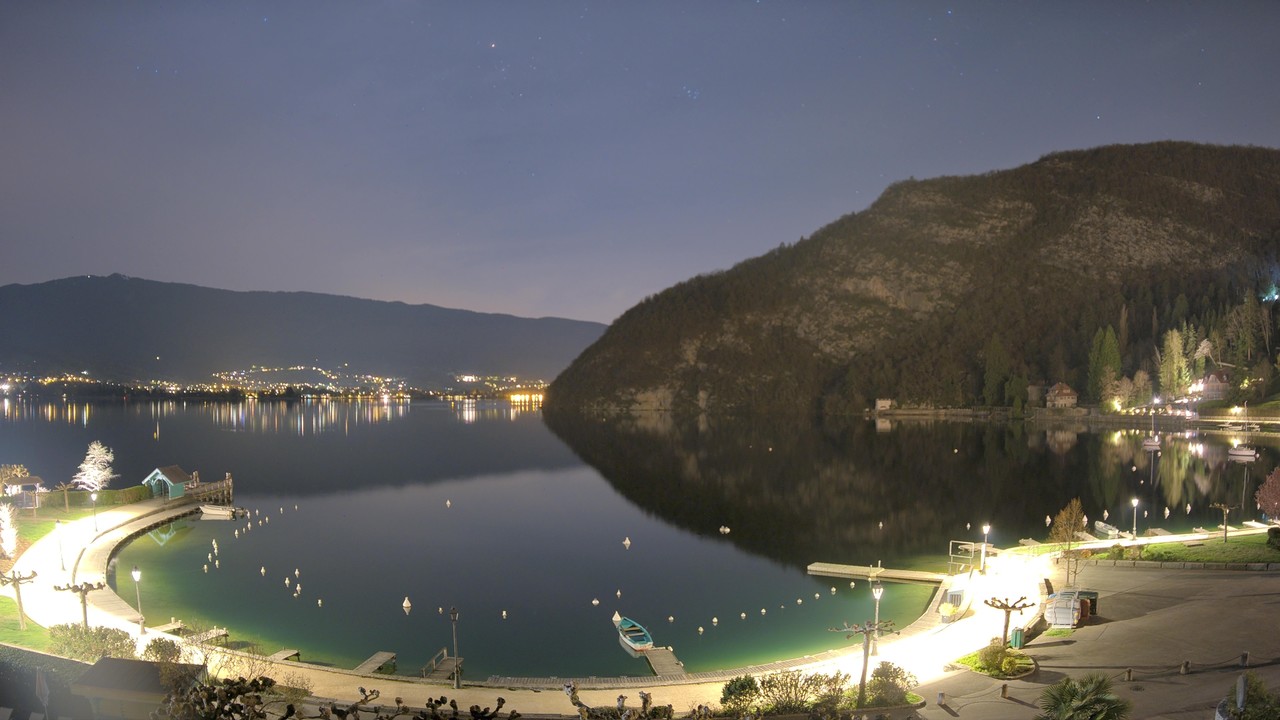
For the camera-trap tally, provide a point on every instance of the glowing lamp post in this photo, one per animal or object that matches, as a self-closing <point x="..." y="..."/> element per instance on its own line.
<point x="1134" y="502"/>
<point x="57" y="530"/>
<point x="137" y="592"/>
<point x="877" y="592"/>
<point x="457" y="678"/>
<point x="93" y="496"/>
<point x="986" y="530"/>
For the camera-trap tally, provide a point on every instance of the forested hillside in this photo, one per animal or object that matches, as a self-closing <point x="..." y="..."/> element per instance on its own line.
<point x="1122" y="270"/>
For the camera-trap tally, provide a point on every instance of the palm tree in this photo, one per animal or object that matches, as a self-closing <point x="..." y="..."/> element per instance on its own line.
<point x="1089" y="698"/>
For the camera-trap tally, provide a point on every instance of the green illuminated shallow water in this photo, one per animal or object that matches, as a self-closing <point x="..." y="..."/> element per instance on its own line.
<point x="474" y="508"/>
<point x="482" y="508"/>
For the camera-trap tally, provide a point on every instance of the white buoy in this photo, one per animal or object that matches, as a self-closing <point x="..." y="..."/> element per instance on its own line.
<point x="671" y="618"/>
<point x="504" y="614"/>
<point x="295" y="507"/>
<point x="296" y="572"/>
<point x="595" y="602"/>
<point x="1047" y="521"/>
<point x="281" y="509"/>
<point x="742" y="615"/>
<point x="699" y="629"/>
<point x="448" y="503"/>
<point x="440" y="611"/>
<point x="263" y="570"/>
<point x="799" y="601"/>
<point x="619" y="593"/>
<point x="1105" y="515"/>
<point x="319" y="602"/>
<point x="297" y="588"/>
<point x="209" y="557"/>
<point x="406" y="605"/>
<point x="715" y="621"/>
<point x="833" y="590"/>
<point x="1166" y="512"/>
<point x="267" y="519"/>
<point x="215" y="544"/>
<point x="237" y="532"/>
<point x="217" y="563"/>
<point x="1188" y="508"/>
<point x="286" y="581"/>
<point x="881" y="524"/>
<point x="967" y="526"/>
<point x="626" y="542"/>
<point x="816" y="596"/>
<point x="206" y="568"/>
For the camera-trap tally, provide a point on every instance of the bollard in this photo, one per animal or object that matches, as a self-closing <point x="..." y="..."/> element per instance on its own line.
<point x="1186" y="668"/>
<point x="942" y="699"/>
<point x="1004" y="690"/>
<point x="1128" y="675"/>
<point x="1244" y="659"/>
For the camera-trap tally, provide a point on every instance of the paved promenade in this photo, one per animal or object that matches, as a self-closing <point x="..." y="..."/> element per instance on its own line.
<point x="1150" y="620"/>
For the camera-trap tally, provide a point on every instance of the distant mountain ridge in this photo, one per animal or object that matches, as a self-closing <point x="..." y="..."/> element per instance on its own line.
<point x="129" y="329"/>
<point x="900" y="300"/>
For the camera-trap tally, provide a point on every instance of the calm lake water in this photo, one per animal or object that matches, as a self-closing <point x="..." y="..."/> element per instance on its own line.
<point x="482" y="507"/>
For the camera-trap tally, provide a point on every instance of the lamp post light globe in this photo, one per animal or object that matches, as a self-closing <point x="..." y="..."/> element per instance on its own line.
<point x="137" y="592"/>
<point x="1134" y="502"/>
<point x="877" y="592"/>
<point x="986" y="530"/>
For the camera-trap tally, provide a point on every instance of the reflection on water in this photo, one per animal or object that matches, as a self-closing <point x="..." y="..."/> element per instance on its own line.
<point x="475" y="504"/>
<point x="865" y="491"/>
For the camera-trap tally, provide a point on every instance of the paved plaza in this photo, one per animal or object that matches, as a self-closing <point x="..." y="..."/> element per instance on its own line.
<point x="1149" y="621"/>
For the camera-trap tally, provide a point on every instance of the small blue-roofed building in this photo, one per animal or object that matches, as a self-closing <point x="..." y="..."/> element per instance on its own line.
<point x="167" y="482"/>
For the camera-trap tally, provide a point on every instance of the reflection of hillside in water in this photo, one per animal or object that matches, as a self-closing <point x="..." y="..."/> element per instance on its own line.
<point x="858" y="493"/>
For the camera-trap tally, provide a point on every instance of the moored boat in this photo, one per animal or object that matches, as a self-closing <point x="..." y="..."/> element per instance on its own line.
<point x="632" y="634"/>
<point x="221" y="512"/>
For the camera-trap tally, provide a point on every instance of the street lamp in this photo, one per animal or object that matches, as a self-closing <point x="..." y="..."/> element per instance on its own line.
<point x="1134" y="502"/>
<point x="57" y="530"/>
<point x="986" y="530"/>
<point x="94" y="497"/>
<point x="137" y="576"/>
<point x="877" y="591"/>
<point x="453" y="617"/>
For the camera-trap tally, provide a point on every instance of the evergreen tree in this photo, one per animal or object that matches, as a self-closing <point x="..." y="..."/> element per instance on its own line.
<point x="997" y="371"/>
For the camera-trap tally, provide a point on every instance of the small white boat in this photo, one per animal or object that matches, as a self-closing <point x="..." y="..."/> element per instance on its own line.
<point x="632" y="634"/>
<point x="1109" y="532"/>
<point x="221" y="512"/>
<point x="1242" y="454"/>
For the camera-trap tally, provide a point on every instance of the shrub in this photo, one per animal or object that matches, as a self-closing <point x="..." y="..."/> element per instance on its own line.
<point x="162" y="650"/>
<point x="1115" y="552"/>
<point x="785" y="692"/>
<point x="991" y="657"/>
<point x="889" y="685"/>
<point x="1010" y="665"/>
<point x="1273" y="537"/>
<point x="739" y="694"/>
<point x="1259" y="703"/>
<point x="80" y="643"/>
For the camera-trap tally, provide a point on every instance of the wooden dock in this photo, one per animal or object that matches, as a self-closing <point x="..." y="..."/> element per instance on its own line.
<point x="376" y="662"/>
<point x="663" y="661"/>
<point x="875" y="572"/>
<point x="282" y="655"/>
<point x="168" y="627"/>
<point x="207" y="635"/>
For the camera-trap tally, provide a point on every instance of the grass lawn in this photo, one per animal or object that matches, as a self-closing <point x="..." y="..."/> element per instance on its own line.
<point x="1237" y="549"/>
<point x="34" y="636"/>
<point x="1058" y="632"/>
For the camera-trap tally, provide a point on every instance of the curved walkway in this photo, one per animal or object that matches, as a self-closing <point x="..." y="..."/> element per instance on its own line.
<point x="924" y="647"/>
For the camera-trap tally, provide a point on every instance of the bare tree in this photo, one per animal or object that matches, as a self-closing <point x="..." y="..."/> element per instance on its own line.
<point x="95" y="471"/>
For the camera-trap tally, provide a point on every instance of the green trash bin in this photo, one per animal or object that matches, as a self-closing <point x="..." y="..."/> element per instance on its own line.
<point x="1016" y="639"/>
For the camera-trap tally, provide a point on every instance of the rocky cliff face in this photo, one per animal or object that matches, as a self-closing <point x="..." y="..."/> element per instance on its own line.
<point x="900" y="299"/>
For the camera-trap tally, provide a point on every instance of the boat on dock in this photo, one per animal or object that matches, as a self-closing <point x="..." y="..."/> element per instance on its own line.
<point x="221" y="512"/>
<point x="632" y="634"/>
<point x="1243" y="452"/>
<point x="1105" y="530"/>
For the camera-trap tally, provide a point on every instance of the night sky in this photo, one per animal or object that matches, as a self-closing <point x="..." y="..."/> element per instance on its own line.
<point x="555" y="158"/>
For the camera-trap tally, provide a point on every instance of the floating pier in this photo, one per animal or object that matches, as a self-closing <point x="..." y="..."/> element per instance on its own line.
<point x="207" y="635"/>
<point x="286" y="654"/>
<point x="376" y="662"/>
<point x="875" y="572"/>
<point x="663" y="661"/>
